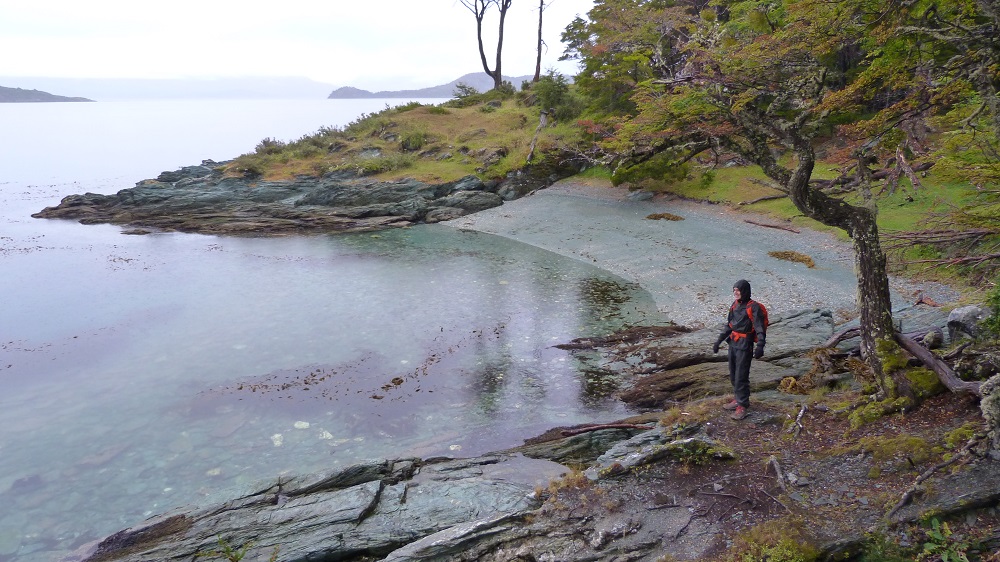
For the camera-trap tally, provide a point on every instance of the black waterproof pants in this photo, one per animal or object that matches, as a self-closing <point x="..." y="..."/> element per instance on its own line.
<point x="739" y="373"/>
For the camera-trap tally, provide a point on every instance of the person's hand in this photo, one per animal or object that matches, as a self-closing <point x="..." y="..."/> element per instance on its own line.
<point x="758" y="352"/>
<point x="715" y="347"/>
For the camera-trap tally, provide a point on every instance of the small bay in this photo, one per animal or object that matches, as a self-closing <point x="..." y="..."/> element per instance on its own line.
<point x="141" y="373"/>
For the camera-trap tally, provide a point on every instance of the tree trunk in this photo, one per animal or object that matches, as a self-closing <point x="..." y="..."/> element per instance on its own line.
<point x="503" y="6"/>
<point x="874" y="305"/>
<point x="944" y="372"/>
<point x="538" y="59"/>
<point x="479" y="9"/>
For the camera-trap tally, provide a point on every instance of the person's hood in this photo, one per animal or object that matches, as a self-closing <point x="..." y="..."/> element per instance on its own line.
<point x="744" y="286"/>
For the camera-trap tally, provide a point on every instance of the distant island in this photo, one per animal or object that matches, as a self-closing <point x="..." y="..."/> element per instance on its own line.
<point x="128" y="89"/>
<point x="18" y="95"/>
<point x="478" y="80"/>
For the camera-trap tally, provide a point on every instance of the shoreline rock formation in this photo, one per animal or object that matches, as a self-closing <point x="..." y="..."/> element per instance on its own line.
<point x="202" y="199"/>
<point x="652" y="486"/>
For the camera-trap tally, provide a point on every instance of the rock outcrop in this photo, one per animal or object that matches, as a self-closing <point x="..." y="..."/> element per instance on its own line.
<point x="640" y="496"/>
<point x="372" y="509"/>
<point x="202" y="199"/>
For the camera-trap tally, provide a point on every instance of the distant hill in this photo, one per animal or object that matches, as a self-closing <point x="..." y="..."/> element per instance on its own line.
<point x="113" y="89"/>
<point x="18" y="95"/>
<point x="478" y="80"/>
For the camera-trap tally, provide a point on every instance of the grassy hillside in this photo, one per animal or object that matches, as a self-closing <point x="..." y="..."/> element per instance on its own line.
<point x="487" y="137"/>
<point x="490" y="135"/>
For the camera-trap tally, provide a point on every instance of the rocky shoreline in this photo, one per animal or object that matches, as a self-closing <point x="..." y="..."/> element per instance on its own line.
<point x="204" y="199"/>
<point x="680" y="480"/>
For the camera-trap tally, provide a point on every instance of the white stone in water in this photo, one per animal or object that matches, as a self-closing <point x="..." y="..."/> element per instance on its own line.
<point x="324" y="434"/>
<point x="213" y="472"/>
<point x="455" y="447"/>
<point x="277" y="439"/>
<point x="301" y="425"/>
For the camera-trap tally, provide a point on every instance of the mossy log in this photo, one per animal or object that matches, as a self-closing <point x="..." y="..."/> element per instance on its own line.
<point x="944" y="372"/>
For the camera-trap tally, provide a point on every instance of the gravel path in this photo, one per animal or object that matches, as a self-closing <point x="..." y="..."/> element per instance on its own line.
<point x="689" y="266"/>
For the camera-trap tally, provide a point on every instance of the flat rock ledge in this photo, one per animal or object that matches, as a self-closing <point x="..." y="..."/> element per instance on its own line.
<point x="495" y="508"/>
<point x="371" y="509"/>
<point x="202" y="199"/>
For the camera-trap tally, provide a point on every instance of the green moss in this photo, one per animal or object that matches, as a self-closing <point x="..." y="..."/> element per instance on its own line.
<point x="875" y="410"/>
<point x="697" y="452"/>
<point x="959" y="436"/>
<point x="884" y="449"/>
<point x="779" y="540"/>
<point x="892" y="356"/>
<point x="923" y="382"/>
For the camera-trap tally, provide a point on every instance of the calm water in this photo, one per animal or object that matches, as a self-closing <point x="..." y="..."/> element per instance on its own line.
<point x="141" y="373"/>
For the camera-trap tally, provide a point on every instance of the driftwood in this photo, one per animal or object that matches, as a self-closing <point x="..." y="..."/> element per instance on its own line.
<point x="779" y="227"/>
<point x="956" y="352"/>
<point x="909" y="493"/>
<point x="598" y="427"/>
<point x="543" y="120"/>
<point x="764" y="198"/>
<point x="797" y="426"/>
<point x="845" y="334"/>
<point x="773" y="463"/>
<point x="944" y="372"/>
<point x="849" y="333"/>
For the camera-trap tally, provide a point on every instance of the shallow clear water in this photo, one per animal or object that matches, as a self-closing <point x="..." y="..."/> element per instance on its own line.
<point x="142" y="373"/>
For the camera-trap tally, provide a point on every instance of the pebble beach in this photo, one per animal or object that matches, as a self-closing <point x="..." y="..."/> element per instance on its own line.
<point x="689" y="265"/>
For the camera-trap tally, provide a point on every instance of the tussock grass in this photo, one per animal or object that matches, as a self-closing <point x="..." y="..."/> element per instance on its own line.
<point x="433" y="143"/>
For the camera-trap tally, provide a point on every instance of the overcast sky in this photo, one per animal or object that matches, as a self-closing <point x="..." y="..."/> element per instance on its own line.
<point x="370" y="44"/>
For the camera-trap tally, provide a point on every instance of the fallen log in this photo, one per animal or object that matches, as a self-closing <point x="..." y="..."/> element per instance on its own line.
<point x="944" y="372"/>
<point x="764" y="198"/>
<point x="845" y="334"/>
<point x="778" y="226"/>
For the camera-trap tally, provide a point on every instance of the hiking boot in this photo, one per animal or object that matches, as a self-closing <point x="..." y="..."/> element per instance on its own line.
<point x="740" y="413"/>
<point x="731" y="405"/>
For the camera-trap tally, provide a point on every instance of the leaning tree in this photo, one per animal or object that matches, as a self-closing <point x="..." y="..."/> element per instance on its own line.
<point x="762" y="80"/>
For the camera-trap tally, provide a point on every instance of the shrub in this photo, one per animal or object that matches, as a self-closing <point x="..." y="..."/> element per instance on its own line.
<point x="463" y="90"/>
<point x="269" y="146"/>
<point x="780" y="540"/>
<point x="942" y="545"/>
<point x="413" y="140"/>
<point x="438" y="110"/>
<point x="879" y="548"/>
<point x="305" y="150"/>
<point x="382" y="164"/>
<point x="408" y="106"/>
<point x="991" y="325"/>
<point x="551" y="89"/>
<point x="506" y="89"/>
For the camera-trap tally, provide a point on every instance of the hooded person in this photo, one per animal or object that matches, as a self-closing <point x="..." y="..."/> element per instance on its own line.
<point x="745" y="332"/>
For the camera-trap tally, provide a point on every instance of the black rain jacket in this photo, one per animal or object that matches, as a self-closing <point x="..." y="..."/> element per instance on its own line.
<point x="739" y="322"/>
